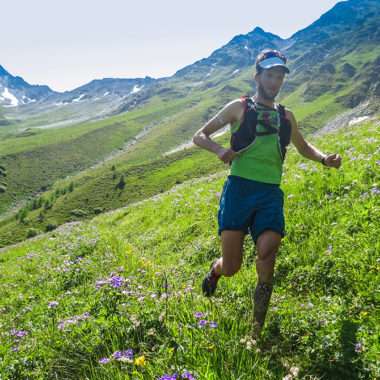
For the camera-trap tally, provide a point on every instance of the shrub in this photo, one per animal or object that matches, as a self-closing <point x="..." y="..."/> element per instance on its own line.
<point x="32" y="232"/>
<point x="51" y="225"/>
<point x="121" y="182"/>
<point x="78" y="213"/>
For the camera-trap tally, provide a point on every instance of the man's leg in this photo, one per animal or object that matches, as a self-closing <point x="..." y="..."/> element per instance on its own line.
<point x="228" y="264"/>
<point x="232" y="250"/>
<point x="267" y="246"/>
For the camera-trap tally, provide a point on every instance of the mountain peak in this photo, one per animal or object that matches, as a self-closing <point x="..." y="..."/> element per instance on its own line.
<point x="258" y="30"/>
<point x="3" y="72"/>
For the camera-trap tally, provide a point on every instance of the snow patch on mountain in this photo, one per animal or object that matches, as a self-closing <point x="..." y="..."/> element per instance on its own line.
<point x="7" y="95"/>
<point x="136" y="88"/>
<point x="78" y="98"/>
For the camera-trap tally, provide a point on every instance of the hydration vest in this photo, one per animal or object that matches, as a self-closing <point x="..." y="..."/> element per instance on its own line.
<point x="246" y="134"/>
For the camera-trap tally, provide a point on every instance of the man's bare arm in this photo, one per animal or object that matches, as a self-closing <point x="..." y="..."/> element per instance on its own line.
<point x="308" y="150"/>
<point x="228" y="115"/>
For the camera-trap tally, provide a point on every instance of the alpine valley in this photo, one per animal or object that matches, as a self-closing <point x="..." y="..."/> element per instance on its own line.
<point x="113" y="142"/>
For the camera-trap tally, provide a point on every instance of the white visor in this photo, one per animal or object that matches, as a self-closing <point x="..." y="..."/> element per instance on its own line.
<point x="272" y="62"/>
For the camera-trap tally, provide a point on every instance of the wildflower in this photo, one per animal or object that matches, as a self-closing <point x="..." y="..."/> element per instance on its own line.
<point x="53" y="304"/>
<point x="329" y="249"/>
<point x="104" y="361"/>
<point x="202" y="323"/>
<point x="294" y="371"/>
<point x="364" y="313"/>
<point x="197" y="315"/>
<point x="169" y="377"/>
<point x="117" y="281"/>
<point x="140" y="361"/>
<point x="213" y="324"/>
<point x="117" y="354"/>
<point x="210" y="347"/>
<point x="187" y="375"/>
<point x="243" y="341"/>
<point x="16" y="348"/>
<point x="358" y="347"/>
<point x="249" y="346"/>
<point x="310" y="305"/>
<point x="287" y="377"/>
<point x="257" y="351"/>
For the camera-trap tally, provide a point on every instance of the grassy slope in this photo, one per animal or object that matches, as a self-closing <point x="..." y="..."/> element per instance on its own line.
<point x="150" y="259"/>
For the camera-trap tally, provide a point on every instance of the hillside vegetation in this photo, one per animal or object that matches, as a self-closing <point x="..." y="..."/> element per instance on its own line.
<point x="136" y="169"/>
<point x="119" y="297"/>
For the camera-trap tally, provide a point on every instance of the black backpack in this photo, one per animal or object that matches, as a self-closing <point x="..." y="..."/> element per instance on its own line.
<point x="247" y="132"/>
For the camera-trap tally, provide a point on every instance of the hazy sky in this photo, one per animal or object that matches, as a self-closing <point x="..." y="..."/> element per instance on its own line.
<point x="67" y="43"/>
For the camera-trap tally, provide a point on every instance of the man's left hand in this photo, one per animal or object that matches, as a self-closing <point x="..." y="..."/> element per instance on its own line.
<point x="333" y="161"/>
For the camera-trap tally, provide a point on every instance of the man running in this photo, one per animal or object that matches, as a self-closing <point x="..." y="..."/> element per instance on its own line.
<point x="252" y="200"/>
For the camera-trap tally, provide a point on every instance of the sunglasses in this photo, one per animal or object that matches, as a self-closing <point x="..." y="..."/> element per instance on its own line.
<point x="272" y="54"/>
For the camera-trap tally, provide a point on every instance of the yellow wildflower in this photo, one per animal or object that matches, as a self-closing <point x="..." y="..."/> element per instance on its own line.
<point x="140" y="362"/>
<point x="210" y="347"/>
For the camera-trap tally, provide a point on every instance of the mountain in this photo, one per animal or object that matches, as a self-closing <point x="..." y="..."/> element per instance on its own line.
<point x="14" y="91"/>
<point x="31" y="104"/>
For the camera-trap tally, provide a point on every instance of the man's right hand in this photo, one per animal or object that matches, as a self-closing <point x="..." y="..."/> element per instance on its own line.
<point x="227" y="155"/>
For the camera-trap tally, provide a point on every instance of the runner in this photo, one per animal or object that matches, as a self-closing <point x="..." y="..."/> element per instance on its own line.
<point x="252" y="200"/>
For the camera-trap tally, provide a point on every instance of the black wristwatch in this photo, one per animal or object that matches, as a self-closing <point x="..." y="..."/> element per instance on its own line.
<point x="323" y="161"/>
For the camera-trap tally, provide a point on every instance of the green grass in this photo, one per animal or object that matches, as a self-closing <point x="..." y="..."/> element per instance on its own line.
<point x="130" y="280"/>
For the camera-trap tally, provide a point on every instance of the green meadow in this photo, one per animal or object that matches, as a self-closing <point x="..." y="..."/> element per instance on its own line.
<point x="118" y="297"/>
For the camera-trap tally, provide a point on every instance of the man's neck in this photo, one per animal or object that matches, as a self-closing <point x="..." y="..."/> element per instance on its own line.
<point x="258" y="99"/>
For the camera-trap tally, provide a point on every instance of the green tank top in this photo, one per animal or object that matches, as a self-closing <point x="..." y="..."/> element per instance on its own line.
<point x="262" y="161"/>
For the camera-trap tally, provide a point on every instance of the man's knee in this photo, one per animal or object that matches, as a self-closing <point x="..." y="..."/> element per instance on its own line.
<point x="229" y="269"/>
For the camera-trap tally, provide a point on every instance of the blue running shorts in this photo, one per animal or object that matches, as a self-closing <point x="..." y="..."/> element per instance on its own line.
<point x="251" y="206"/>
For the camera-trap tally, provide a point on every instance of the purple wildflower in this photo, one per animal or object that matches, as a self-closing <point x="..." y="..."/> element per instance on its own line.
<point x="128" y="354"/>
<point x="117" y="354"/>
<point x="19" y="333"/>
<point x="358" y="346"/>
<point x="16" y="348"/>
<point x="117" y="281"/>
<point x="202" y="323"/>
<point x="53" y="304"/>
<point x="197" y="315"/>
<point x="104" y="360"/>
<point x="213" y="324"/>
<point x="187" y="375"/>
